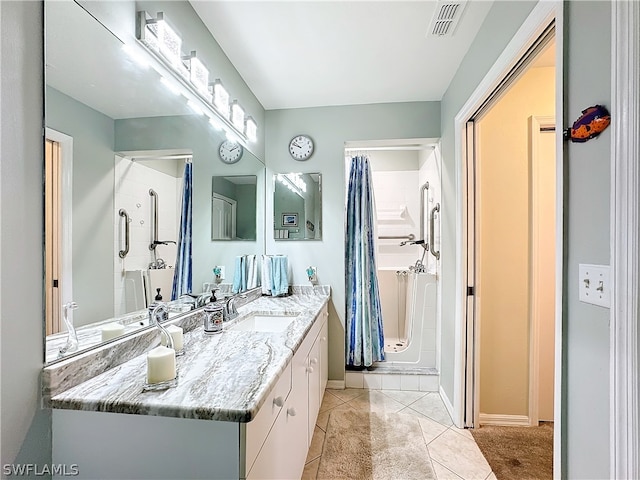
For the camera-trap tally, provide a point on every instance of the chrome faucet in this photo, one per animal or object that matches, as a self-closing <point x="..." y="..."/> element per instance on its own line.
<point x="230" y="311"/>
<point x="203" y="299"/>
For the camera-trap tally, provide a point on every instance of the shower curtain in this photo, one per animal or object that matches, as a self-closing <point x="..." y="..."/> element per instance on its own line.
<point x="364" y="337"/>
<point x="182" y="276"/>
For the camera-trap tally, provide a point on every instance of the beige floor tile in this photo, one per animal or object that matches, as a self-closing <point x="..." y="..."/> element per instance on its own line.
<point x="432" y="406"/>
<point x="311" y="470"/>
<point x="376" y="401"/>
<point x="430" y="429"/>
<point x="348" y="393"/>
<point x="405" y="397"/>
<point x="317" y="442"/>
<point x="460" y="455"/>
<point x="443" y="473"/>
<point x="492" y="476"/>
<point x="330" y="401"/>
<point x="323" y="417"/>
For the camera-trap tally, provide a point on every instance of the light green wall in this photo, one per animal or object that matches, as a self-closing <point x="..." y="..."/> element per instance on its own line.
<point x="25" y="436"/>
<point x="246" y="211"/>
<point x="587" y="190"/>
<point x="330" y="127"/>
<point x="93" y="235"/>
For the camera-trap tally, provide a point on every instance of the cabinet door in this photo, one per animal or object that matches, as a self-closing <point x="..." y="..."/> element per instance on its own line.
<point x="314" y="372"/>
<point x="283" y="454"/>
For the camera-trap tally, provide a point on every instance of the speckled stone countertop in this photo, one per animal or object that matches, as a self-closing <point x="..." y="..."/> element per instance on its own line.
<point x="223" y="377"/>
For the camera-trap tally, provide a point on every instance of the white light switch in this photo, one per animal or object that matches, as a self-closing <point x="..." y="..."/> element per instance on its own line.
<point x="594" y="284"/>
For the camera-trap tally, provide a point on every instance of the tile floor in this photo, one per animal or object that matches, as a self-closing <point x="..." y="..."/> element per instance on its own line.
<point x="453" y="451"/>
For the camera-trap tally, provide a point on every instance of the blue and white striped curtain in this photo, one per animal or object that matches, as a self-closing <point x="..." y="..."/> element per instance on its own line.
<point x="182" y="276"/>
<point x="364" y="337"/>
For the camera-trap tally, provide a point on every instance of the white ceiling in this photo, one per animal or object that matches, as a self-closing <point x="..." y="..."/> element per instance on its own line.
<point x="296" y="54"/>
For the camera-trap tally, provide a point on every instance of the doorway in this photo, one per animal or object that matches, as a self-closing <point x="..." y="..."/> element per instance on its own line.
<point x="510" y="248"/>
<point x="58" y="176"/>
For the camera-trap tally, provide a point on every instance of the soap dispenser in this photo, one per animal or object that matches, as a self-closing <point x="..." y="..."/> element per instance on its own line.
<point x="158" y="299"/>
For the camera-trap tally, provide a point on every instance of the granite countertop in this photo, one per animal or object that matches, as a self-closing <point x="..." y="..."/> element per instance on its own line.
<point x="224" y="377"/>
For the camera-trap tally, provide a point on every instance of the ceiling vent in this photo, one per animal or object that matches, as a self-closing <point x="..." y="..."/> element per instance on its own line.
<point x="446" y="18"/>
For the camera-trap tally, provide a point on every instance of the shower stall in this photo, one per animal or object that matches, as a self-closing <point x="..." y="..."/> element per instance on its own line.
<point x="406" y="186"/>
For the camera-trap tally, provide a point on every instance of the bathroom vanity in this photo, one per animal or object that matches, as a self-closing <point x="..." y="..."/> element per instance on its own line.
<point x="245" y="406"/>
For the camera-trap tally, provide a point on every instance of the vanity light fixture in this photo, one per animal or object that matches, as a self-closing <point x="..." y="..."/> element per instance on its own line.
<point x="294" y="182"/>
<point x="237" y="115"/>
<point x="251" y="129"/>
<point x="211" y="99"/>
<point x="221" y="98"/>
<point x="199" y="75"/>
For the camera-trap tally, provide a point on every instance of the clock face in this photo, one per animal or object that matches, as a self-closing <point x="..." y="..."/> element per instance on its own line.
<point x="230" y="152"/>
<point x="301" y="147"/>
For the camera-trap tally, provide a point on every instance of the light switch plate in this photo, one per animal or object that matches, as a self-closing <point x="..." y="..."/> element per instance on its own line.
<point x="594" y="284"/>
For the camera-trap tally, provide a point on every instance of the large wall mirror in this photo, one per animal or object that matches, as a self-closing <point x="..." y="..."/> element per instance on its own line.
<point x="297" y="206"/>
<point x="120" y="150"/>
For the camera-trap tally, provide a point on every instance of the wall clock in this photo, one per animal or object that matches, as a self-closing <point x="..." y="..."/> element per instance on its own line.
<point x="230" y="152"/>
<point x="301" y="147"/>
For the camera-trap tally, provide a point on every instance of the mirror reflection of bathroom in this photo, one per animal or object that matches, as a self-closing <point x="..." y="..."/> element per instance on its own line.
<point x="149" y="190"/>
<point x="406" y="190"/>
<point x="297" y="206"/>
<point x="233" y="207"/>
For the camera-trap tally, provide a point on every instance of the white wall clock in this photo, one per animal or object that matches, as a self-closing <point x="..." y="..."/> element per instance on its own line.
<point x="301" y="147"/>
<point x="230" y="152"/>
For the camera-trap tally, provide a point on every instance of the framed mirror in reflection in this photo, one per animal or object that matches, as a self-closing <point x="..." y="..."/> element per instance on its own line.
<point x="297" y="206"/>
<point x="233" y="207"/>
<point x="118" y="144"/>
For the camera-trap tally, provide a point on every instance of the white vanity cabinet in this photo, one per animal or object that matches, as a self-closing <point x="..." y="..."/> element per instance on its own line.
<point x="274" y="445"/>
<point x="284" y="451"/>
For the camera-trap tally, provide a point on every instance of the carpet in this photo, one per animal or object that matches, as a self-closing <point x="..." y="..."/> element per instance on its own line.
<point x="374" y="446"/>
<point x="517" y="452"/>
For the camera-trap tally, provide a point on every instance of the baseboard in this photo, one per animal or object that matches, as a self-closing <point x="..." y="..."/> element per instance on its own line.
<point x="335" y="384"/>
<point x="504" y="420"/>
<point x="448" y="405"/>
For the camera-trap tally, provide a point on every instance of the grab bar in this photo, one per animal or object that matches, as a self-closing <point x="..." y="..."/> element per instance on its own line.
<point x="409" y="237"/>
<point x="154" y="239"/>
<point x="423" y="188"/>
<point x="123" y="213"/>
<point x="432" y="231"/>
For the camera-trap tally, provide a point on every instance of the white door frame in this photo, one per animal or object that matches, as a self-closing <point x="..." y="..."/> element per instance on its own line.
<point x="536" y="123"/>
<point x="535" y="24"/>
<point x="625" y="241"/>
<point x="66" y="277"/>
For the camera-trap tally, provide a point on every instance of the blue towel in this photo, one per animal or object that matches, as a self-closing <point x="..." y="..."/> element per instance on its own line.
<point x="239" y="276"/>
<point x="279" y="275"/>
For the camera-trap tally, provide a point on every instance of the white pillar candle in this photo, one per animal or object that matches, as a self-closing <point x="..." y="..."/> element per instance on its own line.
<point x="176" y="335"/>
<point x="161" y="365"/>
<point x="111" y="330"/>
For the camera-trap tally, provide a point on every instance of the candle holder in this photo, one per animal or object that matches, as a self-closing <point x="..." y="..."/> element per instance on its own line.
<point x="157" y="387"/>
<point x="154" y="311"/>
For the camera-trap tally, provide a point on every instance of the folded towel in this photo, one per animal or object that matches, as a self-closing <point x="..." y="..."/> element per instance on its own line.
<point x="252" y="272"/>
<point x="279" y="275"/>
<point x="265" y="273"/>
<point x="239" y="275"/>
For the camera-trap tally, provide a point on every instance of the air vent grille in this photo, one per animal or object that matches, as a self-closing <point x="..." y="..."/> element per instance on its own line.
<point x="446" y="18"/>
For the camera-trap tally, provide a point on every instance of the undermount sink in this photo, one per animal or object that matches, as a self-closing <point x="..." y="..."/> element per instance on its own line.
<point x="265" y="322"/>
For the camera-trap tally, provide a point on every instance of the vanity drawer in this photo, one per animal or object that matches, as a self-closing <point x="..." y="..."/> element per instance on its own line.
<point x="258" y="428"/>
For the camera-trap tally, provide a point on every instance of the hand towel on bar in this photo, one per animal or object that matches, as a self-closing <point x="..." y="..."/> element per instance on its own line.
<point x="279" y="275"/>
<point x="252" y="272"/>
<point x="239" y="275"/>
<point x="266" y="274"/>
